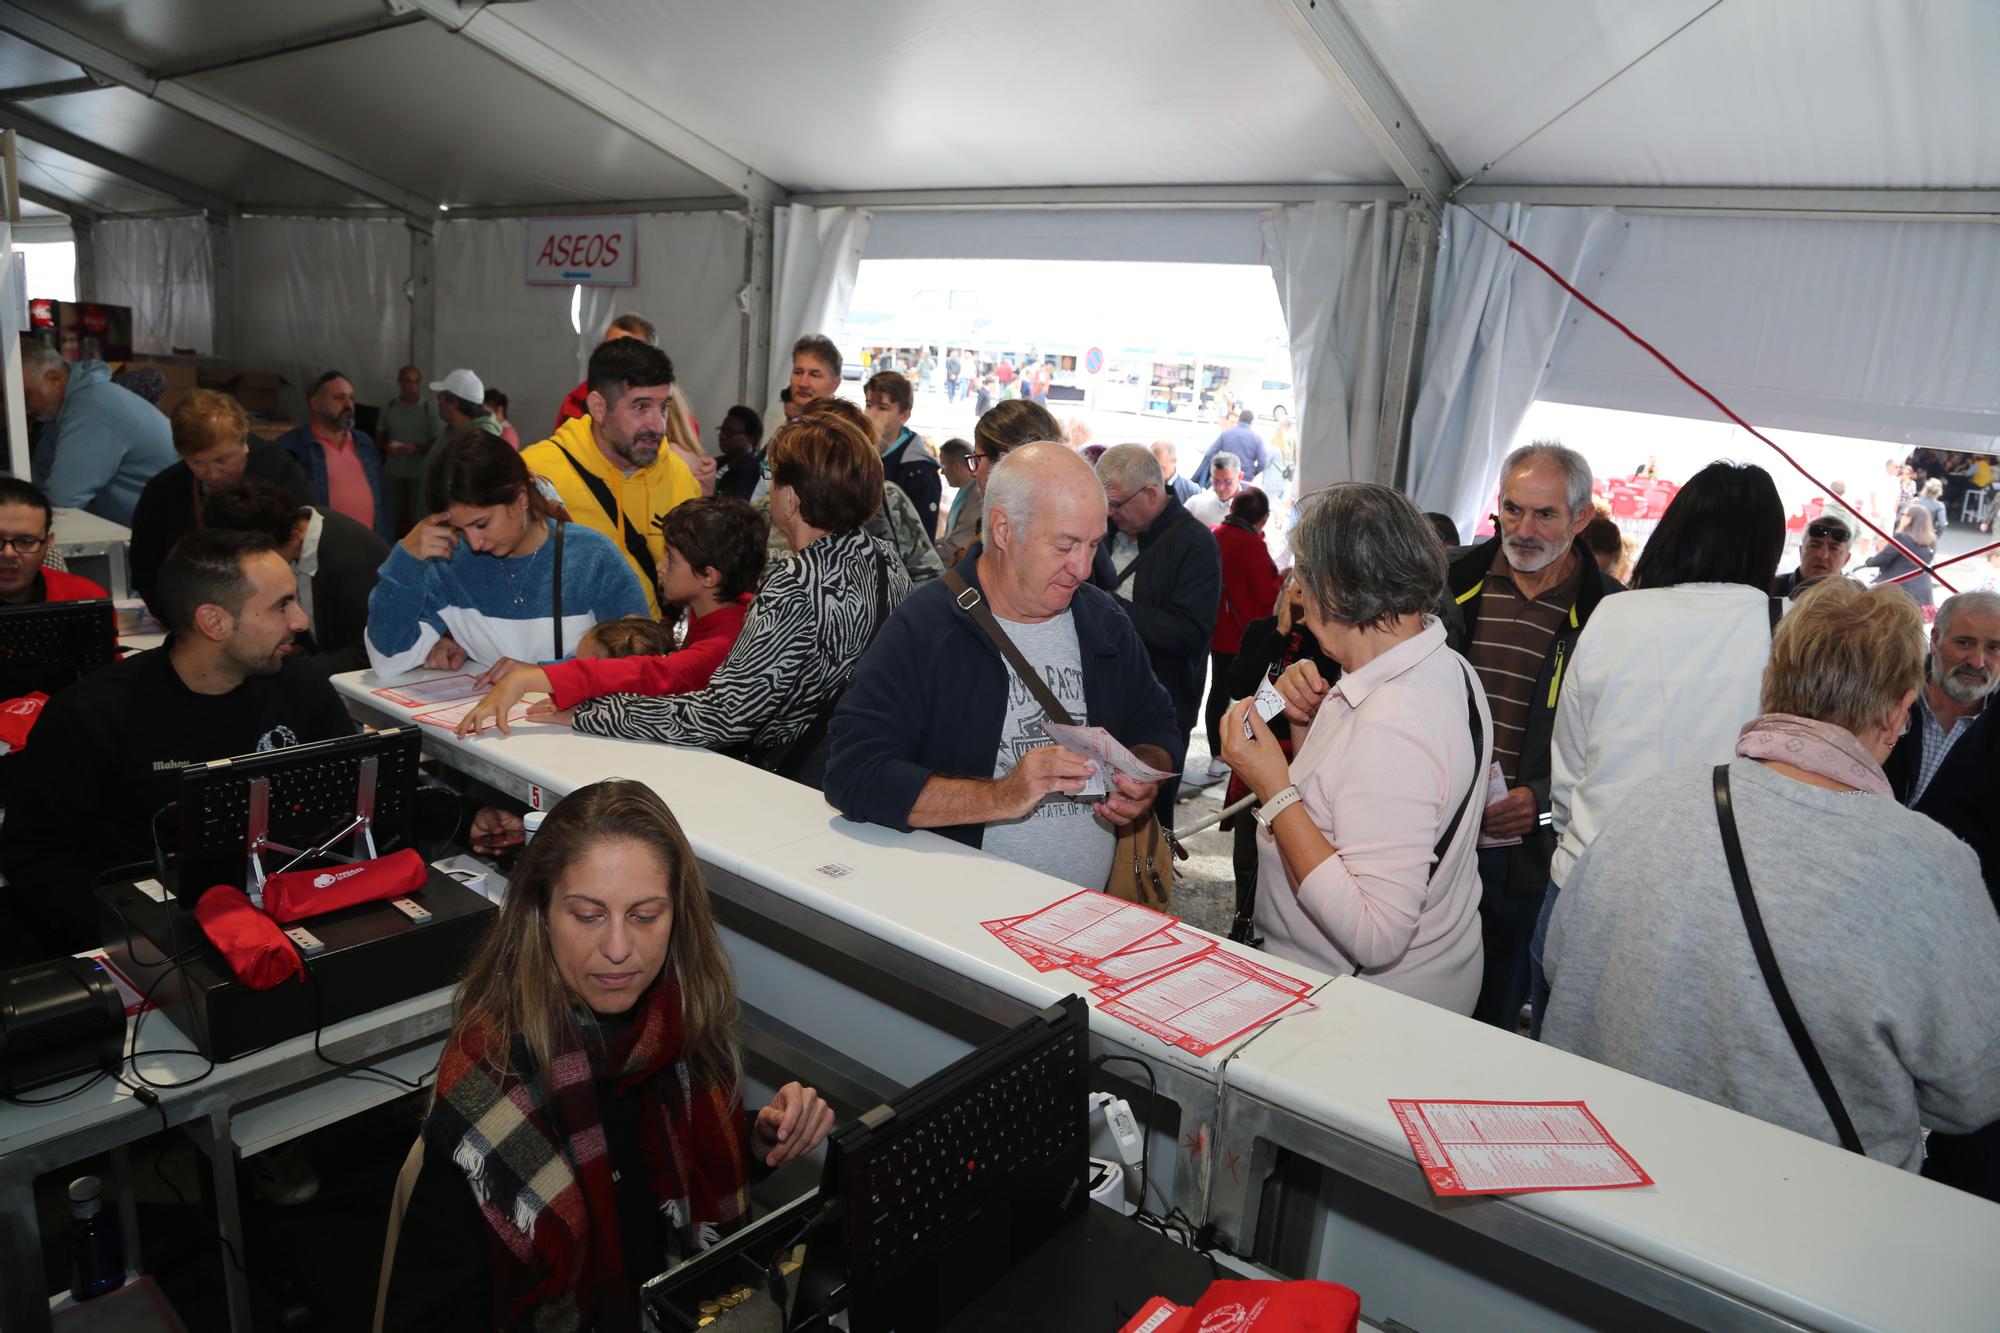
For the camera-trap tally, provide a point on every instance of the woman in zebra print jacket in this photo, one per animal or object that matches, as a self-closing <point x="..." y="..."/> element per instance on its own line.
<point x="770" y="698"/>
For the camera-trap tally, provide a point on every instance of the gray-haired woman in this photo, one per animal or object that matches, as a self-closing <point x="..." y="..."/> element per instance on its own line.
<point x="1366" y="845"/>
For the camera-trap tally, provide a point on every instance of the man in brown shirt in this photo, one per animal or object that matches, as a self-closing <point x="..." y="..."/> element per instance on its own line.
<point x="1523" y="598"/>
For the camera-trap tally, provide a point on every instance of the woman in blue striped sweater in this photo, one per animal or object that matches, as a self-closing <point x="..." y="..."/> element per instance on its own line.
<point x="477" y="579"/>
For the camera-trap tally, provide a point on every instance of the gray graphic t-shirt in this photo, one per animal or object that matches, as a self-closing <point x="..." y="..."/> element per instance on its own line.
<point x="1061" y="836"/>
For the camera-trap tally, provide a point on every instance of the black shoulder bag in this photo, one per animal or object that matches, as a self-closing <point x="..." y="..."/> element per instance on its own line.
<point x="1781" y="995"/>
<point x="804" y="760"/>
<point x="635" y="541"/>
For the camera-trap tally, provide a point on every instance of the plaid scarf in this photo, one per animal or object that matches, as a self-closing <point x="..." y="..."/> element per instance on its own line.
<point x="542" y="1175"/>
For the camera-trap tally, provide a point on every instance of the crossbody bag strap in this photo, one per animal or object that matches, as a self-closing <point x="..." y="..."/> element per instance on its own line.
<point x="1777" y="611"/>
<point x="1465" y="803"/>
<point x="635" y="541"/>
<point x="1781" y="995"/>
<point x="1159" y="541"/>
<point x="560" y="525"/>
<point x="973" y="604"/>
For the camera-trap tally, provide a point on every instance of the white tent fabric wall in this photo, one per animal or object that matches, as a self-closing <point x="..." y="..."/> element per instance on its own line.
<point x="161" y="267"/>
<point x="1138" y="235"/>
<point x="1904" y="345"/>
<point x="519" y="338"/>
<point x="815" y="258"/>
<point x="1495" y="322"/>
<point x="1335" y="268"/>
<point x="320" y="294"/>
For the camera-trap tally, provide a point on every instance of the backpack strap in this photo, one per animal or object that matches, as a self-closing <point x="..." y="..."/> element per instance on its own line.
<point x="1159" y="541"/>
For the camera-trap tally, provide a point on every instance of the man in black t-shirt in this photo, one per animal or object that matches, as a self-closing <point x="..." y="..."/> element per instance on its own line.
<point x="104" y="759"/>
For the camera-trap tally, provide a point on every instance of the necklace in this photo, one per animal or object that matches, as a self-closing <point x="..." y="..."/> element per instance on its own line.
<point x="514" y="584"/>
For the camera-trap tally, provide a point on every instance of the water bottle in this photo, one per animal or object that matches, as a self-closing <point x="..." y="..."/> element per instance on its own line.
<point x="96" y="1250"/>
<point x="531" y="824"/>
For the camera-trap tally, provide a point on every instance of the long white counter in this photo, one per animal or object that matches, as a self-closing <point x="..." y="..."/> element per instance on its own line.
<point x="866" y="944"/>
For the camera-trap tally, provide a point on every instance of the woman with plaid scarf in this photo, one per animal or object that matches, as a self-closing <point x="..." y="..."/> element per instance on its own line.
<point x="588" y="1123"/>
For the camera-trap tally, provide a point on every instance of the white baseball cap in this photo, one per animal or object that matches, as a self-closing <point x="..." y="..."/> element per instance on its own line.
<point x="463" y="383"/>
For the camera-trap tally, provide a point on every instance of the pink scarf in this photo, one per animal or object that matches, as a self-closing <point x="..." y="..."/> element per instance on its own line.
<point x="1820" y="748"/>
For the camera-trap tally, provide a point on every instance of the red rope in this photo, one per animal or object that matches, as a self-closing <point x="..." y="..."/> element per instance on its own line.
<point x="1720" y="406"/>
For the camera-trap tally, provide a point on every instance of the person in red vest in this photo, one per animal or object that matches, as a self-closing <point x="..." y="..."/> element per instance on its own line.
<point x="26" y="524"/>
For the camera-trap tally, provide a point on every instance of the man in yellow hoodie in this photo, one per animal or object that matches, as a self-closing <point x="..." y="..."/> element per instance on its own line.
<point x="608" y="467"/>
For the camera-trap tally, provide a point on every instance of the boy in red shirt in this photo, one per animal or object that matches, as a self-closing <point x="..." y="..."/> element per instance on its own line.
<point x="714" y="557"/>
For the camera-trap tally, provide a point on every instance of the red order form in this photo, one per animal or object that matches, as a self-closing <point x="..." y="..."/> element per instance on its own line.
<point x="1514" y="1147"/>
<point x="1203" y="1003"/>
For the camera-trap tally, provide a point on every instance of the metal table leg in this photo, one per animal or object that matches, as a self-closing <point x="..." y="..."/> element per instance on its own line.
<point x="211" y="1133"/>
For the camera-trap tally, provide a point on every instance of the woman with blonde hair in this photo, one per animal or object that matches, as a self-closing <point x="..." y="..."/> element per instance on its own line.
<point x="685" y="440"/>
<point x="587" y="1127"/>
<point x="1877" y="932"/>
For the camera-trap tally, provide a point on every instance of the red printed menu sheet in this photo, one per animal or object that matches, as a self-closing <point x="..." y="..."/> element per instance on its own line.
<point x="1088" y="927"/>
<point x="1205" y="1002"/>
<point x="1514" y="1147"/>
<point x="1152" y="954"/>
<point x="440" y="690"/>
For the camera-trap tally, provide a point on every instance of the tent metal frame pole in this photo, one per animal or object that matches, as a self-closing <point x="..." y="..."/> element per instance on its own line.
<point x="423" y="299"/>
<point x="19" y="461"/>
<point x="223" y="307"/>
<point x="138" y="173"/>
<point x="755" y="371"/>
<point x="487" y="27"/>
<point x="60" y="41"/>
<point x="1784" y="202"/>
<point x="1409" y="330"/>
<point x="83" y="234"/>
<point x="61" y="203"/>
<point x="1372" y="97"/>
<point x="1106" y="196"/>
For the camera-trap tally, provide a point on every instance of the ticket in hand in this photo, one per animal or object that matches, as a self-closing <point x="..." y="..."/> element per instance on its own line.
<point x="1269" y="703"/>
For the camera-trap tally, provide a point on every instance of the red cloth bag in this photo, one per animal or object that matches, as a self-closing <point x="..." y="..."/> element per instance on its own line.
<point x="255" y="949"/>
<point x="1275" y="1307"/>
<point x="298" y="894"/>
<point x="18" y="718"/>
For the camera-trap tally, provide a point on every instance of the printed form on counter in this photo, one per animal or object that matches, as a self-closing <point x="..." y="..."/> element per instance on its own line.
<point x="1152" y="972"/>
<point x="443" y="690"/>
<point x="1514" y="1147"/>
<point x="450" y="716"/>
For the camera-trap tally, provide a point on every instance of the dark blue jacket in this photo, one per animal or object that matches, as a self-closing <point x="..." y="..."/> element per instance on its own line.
<point x="304" y="446"/>
<point x="930" y="696"/>
<point x="1175" y="596"/>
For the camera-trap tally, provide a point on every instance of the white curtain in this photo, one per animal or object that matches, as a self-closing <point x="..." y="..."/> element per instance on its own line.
<point x="815" y="258"/>
<point x="161" y="267"/>
<point x="1335" y="267"/>
<point x="1882" y="330"/>
<point x="1495" y="322"/>
<point x="320" y="294"/>
<point x="522" y="339"/>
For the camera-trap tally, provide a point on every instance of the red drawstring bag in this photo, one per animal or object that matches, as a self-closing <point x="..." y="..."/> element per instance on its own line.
<point x="297" y="894"/>
<point x="256" y="950"/>
<point x="18" y="718"/>
<point x="1256" y="1307"/>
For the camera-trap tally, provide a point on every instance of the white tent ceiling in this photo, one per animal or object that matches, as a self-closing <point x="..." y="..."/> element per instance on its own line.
<point x="530" y="103"/>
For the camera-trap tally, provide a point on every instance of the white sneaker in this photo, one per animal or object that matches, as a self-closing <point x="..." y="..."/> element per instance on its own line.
<point x="1197" y="778"/>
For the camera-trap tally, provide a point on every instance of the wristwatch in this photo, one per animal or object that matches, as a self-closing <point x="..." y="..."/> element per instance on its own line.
<point x="1276" y="806"/>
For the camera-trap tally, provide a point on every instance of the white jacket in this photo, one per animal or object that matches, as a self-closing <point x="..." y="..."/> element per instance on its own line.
<point x="1662" y="678"/>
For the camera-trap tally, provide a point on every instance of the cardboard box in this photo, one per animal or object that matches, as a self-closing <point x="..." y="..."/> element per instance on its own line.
<point x="262" y="392"/>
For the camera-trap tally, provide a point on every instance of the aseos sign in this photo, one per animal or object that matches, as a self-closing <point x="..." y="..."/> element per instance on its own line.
<point x="591" y="251"/>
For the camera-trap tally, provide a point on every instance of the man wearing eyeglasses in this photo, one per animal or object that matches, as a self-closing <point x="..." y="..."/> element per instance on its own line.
<point x="1165" y="568"/>
<point x="1828" y="542"/>
<point x="25" y="521"/>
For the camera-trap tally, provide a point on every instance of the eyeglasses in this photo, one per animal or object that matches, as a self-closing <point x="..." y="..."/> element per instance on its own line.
<point x="1826" y="532"/>
<point x="1115" y="505"/>
<point x="24" y="545"/>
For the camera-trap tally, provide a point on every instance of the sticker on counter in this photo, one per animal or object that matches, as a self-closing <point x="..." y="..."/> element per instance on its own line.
<point x="834" y="870"/>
